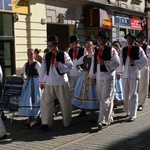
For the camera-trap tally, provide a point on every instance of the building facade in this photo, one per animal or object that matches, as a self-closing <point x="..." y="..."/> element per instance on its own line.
<point x="28" y="23"/>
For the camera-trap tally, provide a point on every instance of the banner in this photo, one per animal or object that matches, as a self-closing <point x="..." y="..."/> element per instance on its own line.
<point x="14" y="6"/>
<point x="135" y="22"/>
<point x="11" y="93"/>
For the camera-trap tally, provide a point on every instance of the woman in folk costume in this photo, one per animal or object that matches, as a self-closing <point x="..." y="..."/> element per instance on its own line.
<point x="31" y="93"/>
<point x="118" y="82"/>
<point x="85" y="96"/>
<point x="102" y="72"/>
<point x="133" y="59"/>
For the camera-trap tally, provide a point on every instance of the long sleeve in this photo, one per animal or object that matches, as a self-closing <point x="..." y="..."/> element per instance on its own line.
<point x="148" y="54"/>
<point x="114" y="62"/>
<point x="43" y="70"/>
<point x="65" y="67"/>
<point x="38" y="67"/>
<point x="91" y="72"/>
<point x="142" y="61"/>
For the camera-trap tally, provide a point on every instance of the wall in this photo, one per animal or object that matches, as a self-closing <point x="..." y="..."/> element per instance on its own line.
<point x="29" y="32"/>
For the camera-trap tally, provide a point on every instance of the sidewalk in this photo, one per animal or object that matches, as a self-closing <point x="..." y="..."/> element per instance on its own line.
<point x="82" y="135"/>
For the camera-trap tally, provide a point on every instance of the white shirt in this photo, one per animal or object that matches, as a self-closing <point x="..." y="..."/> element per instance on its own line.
<point x="74" y="72"/>
<point x="110" y="65"/>
<point x="53" y="78"/>
<point x="128" y="71"/>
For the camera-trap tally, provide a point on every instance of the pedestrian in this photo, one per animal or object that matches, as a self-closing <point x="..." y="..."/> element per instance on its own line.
<point x="75" y="52"/>
<point x="29" y="105"/>
<point x="37" y="56"/>
<point x="118" y="96"/>
<point x="133" y="59"/>
<point x="144" y="72"/>
<point x="54" y="80"/>
<point x="85" y="94"/>
<point x="102" y="72"/>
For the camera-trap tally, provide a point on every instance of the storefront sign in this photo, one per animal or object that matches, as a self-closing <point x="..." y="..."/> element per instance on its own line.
<point x="105" y="19"/>
<point x="121" y="19"/>
<point x="135" y="22"/>
<point x="91" y="17"/>
<point x="14" y="6"/>
<point x="97" y="18"/>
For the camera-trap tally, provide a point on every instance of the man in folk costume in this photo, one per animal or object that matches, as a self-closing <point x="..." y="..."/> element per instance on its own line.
<point x="144" y="73"/>
<point x="102" y="72"/>
<point x="53" y="77"/>
<point x="75" y="52"/>
<point x="133" y="59"/>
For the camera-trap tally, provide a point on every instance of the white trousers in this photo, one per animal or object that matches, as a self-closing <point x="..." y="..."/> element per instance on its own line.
<point x="47" y="103"/>
<point x="105" y="92"/>
<point x="143" y="86"/>
<point x="130" y="96"/>
<point x="2" y="128"/>
<point x="72" y="84"/>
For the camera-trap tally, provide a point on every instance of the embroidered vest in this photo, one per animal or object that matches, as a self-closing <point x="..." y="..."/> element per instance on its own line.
<point x="59" y="58"/>
<point x="106" y="55"/>
<point x="133" y="55"/>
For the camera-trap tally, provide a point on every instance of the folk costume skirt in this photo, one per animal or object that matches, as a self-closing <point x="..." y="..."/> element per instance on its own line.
<point x="30" y="97"/>
<point x="85" y="93"/>
<point x="118" y="90"/>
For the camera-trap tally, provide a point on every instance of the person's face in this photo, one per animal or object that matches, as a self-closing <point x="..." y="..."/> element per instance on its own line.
<point x="140" y="39"/>
<point x="53" y="47"/>
<point x="74" y="44"/>
<point x="130" y="40"/>
<point x="30" y="55"/>
<point x="89" y="48"/>
<point x="101" y="41"/>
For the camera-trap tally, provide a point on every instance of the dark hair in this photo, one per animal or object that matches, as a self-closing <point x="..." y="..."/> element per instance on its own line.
<point x="116" y="42"/>
<point x="37" y="50"/>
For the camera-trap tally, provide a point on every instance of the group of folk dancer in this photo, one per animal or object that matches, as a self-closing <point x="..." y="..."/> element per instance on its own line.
<point x="87" y="78"/>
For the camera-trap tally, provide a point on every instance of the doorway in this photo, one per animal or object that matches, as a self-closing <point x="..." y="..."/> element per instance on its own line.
<point x="7" y="60"/>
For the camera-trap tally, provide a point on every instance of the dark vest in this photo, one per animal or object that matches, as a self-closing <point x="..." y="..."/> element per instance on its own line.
<point x="144" y="46"/>
<point x="106" y="55"/>
<point x="59" y="58"/>
<point x="133" y="55"/>
<point x="80" y="53"/>
<point x="30" y="69"/>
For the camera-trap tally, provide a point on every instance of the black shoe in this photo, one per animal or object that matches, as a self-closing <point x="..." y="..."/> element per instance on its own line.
<point x="44" y="127"/>
<point x="131" y="119"/>
<point x="3" y="137"/>
<point x="26" y="124"/>
<point x="140" y="108"/>
<point x="82" y="114"/>
<point x="100" y="126"/>
<point x="68" y="125"/>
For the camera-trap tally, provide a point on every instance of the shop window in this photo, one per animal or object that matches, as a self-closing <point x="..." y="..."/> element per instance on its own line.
<point x="137" y="2"/>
